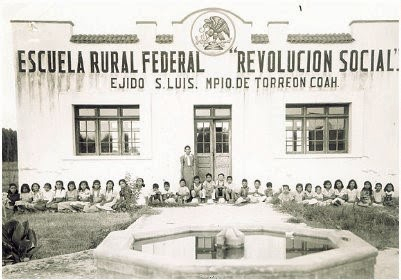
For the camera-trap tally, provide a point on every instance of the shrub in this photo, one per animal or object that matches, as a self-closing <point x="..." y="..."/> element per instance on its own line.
<point x="19" y="242"/>
<point x="295" y="220"/>
<point x="377" y="225"/>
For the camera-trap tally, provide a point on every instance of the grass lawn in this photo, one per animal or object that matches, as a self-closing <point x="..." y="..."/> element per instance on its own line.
<point x="377" y="225"/>
<point x="64" y="233"/>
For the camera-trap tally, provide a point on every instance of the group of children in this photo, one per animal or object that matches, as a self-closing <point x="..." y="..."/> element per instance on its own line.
<point x="59" y="199"/>
<point x="220" y="191"/>
<point x="339" y="195"/>
<point x="224" y="191"/>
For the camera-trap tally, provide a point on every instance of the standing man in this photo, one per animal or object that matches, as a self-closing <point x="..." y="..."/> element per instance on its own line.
<point x="188" y="167"/>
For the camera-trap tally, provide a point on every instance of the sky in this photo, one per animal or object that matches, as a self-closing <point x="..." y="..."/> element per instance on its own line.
<point x="119" y="17"/>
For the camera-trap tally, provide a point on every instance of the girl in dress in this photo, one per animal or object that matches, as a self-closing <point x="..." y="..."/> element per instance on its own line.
<point x="378" y="195"/>
<point x="328" y="192"/>
<point x="299" y="193"/>
<point x="59" y="196"/>
<point x="308" y="194"/>
<point x="340" y="193"/>
<point x="12" y="197"/>
<point x="143" y="197"/>
<point x="37" y="198"/>
<point x="318" y="197"/>
<point x="188" y="166"/>
<point x="95" y="199"/>
<point x="110" y="197"/>
<point x="124" y="202"/>
<point x="388" y="195"/>
<point x="26" y="198"/>
<point x="285" y="195"/>
<point x="48" y="196"/>
<point x="71" y="196"/>
<point x="84" y="196"/>
<point x="352" y="192"/>
<point x="365" y="199"/>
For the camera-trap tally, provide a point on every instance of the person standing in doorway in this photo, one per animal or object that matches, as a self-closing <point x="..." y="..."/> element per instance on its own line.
<point x="188" y="167"/>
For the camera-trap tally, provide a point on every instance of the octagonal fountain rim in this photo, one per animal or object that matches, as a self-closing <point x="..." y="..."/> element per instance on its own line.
<point x="117" y="250"/>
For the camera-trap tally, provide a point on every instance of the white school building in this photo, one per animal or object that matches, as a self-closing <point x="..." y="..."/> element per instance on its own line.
<point x="270" y="105"/>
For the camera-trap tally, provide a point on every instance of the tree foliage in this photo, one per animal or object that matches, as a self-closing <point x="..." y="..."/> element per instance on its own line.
<point x="9" y="141"/>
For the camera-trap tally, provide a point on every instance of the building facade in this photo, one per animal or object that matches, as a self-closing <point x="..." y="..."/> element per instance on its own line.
<point x="273" y="106"/>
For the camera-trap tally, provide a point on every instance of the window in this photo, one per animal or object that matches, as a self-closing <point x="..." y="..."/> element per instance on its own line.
<point x="316" y="128"/>
<point x="107" y="130"/>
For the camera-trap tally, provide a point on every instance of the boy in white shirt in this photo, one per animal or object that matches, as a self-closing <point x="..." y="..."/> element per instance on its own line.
<point x="231" y="194"/>
<point x="258" y="194"/>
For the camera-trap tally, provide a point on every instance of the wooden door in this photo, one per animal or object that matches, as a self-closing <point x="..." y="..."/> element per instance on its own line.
<point x="204" y="148"/>
<point x="213" y="140"/>
<point x="222" y="147"/>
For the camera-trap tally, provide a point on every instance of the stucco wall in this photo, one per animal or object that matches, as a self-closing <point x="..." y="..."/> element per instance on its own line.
<point x="46" y="121"/>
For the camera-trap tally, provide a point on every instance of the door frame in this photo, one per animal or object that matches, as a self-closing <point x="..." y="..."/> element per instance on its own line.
<point x="212" y="118"/>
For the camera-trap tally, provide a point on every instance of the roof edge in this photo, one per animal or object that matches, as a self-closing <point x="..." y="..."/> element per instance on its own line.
<point x="278" y="22"/>
<point x="372" y="21"/>
<point x="210" y="9"/>
<point x="44" y="21"/>
<point x="146" y="22"/>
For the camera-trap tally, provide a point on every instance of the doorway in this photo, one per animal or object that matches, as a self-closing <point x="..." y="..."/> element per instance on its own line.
<point x="213" y="140"/>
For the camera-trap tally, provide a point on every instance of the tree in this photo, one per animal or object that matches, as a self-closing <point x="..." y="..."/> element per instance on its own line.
<point x="10" y="148"/>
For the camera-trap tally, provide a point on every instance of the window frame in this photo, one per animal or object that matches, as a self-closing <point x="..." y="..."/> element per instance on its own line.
<point x="97" y="118"/>
<point x="325" y="116"/>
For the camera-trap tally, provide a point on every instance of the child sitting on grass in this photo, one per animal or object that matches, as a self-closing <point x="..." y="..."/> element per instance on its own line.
<point x="258" y="195"/>
<point x="328" y="192"/>
<point x="26" y="198"/>
<point x="317" y="197"/>
<point x="378" y="195"/>
<point x="220" y="192"/>
<point x="167" y="195"/>
<point x="352" y="192"/>
<point x="340" y="193"/>
<point x="388" y="195"/>
<point x="365" y="199"/>
<point x="243" y="193"/>
<point x="95" y="198"/>
<point x="269" y="192"/>
<point x="48" y="196"/>
<point x="71" y="196"/>
<point x="183" y="192"/>
<point x="299" y="193"/>
<point x="59" y="196"/>
<point x="12" y="197"/>
<point x="37" y="198"/>
<point x="285" y="195"/>
<point x="308" y="194"/>
<point x="196" y="190"/>
<point x="109" y="197"/>
<point x="231" y="195"/>
<point x="156" y="196"/>
<point x="84" y="196"/>
<point x="125" y="196"/>
<point x="209" y="188"/>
